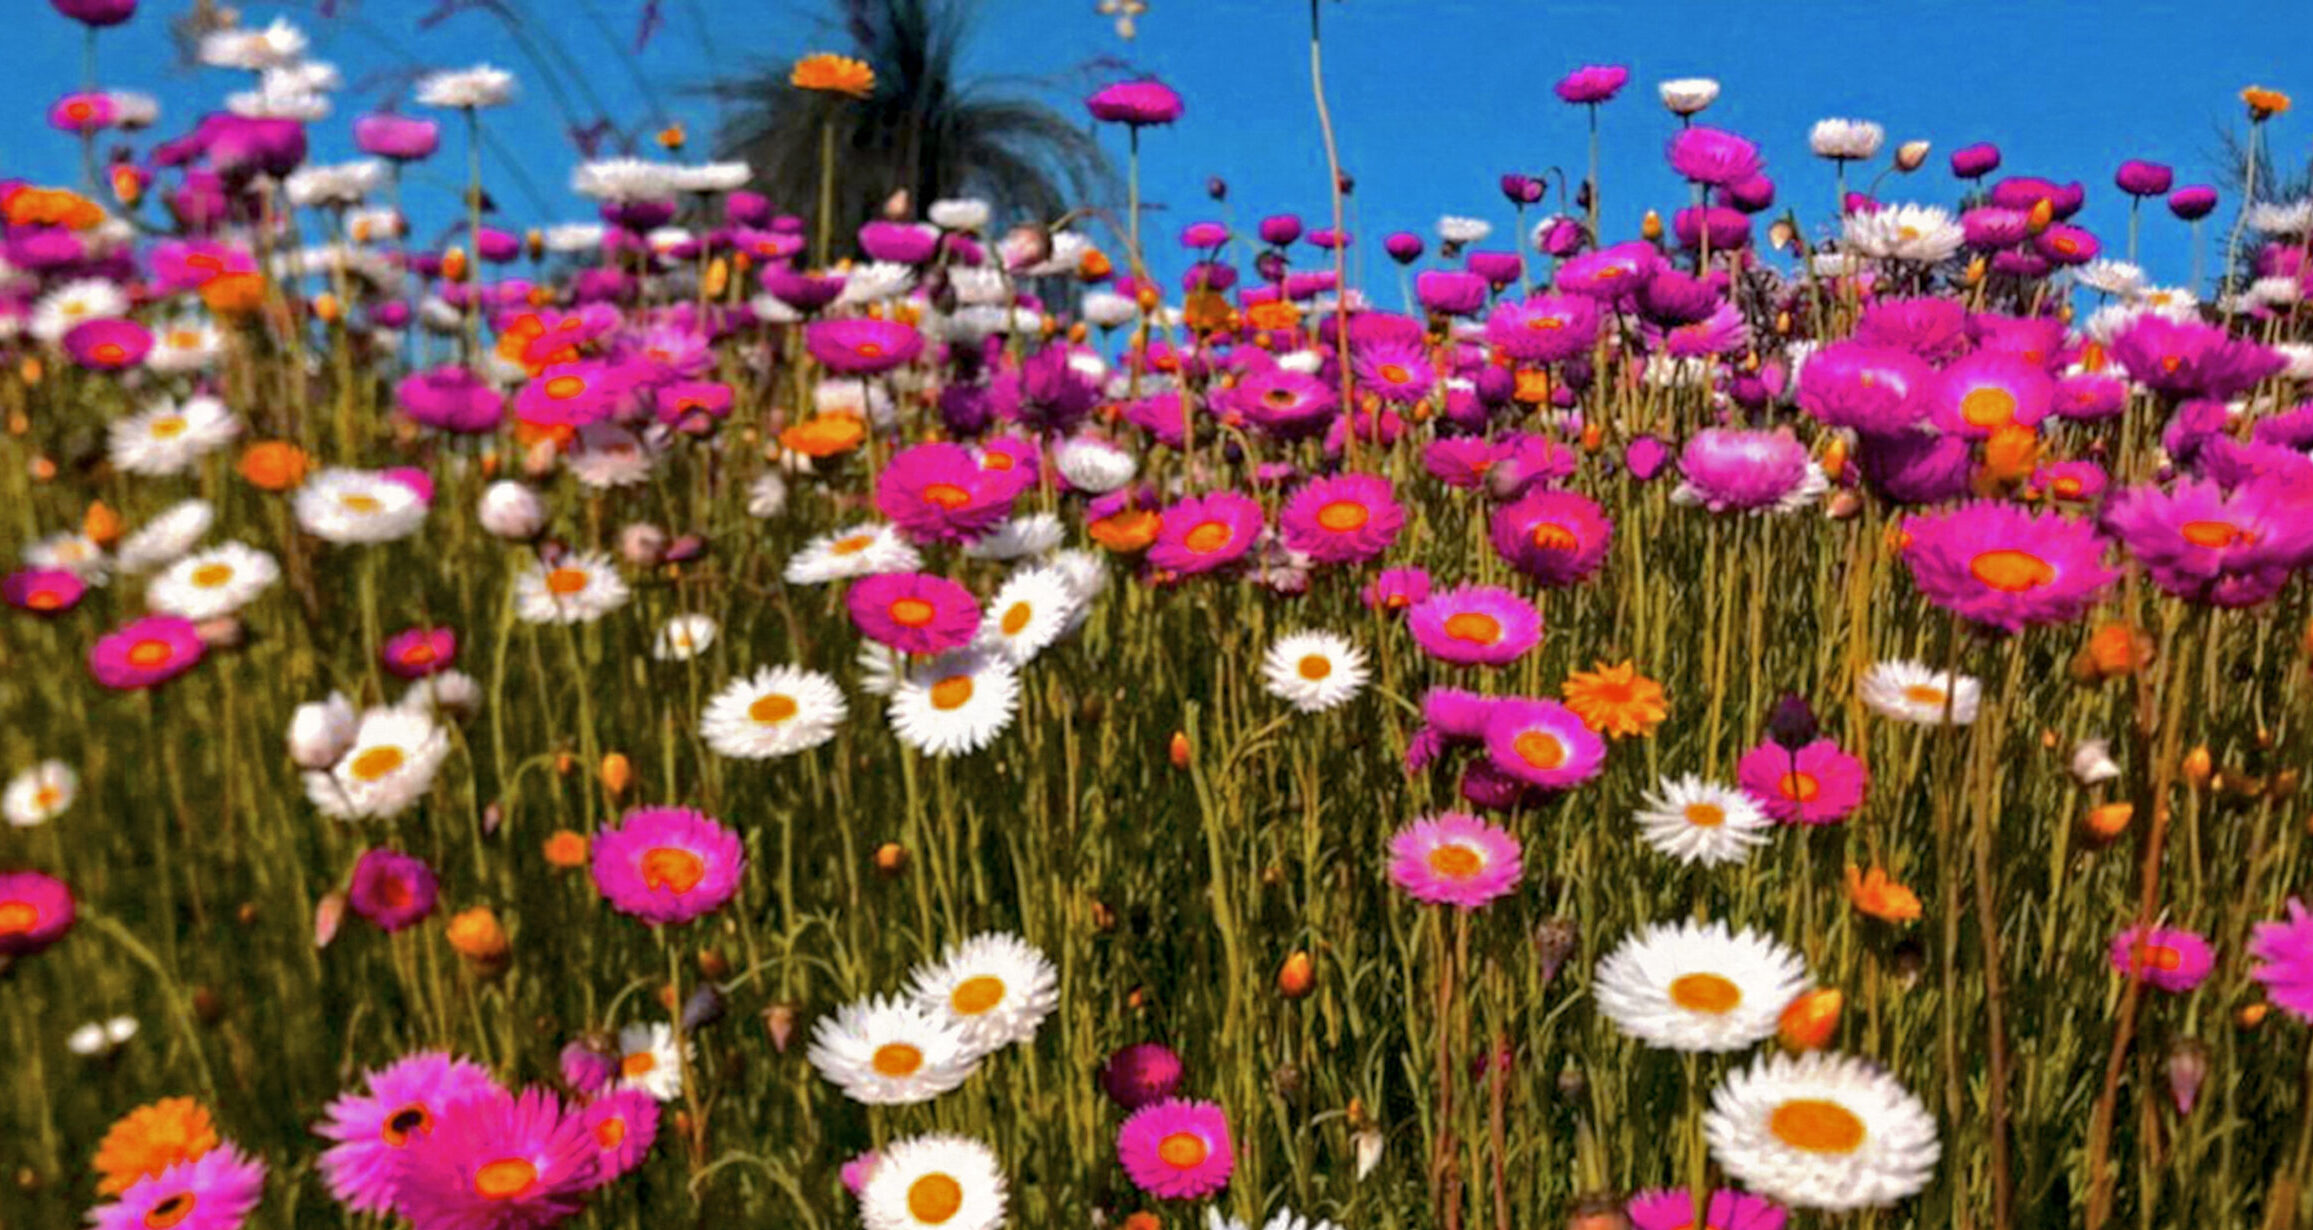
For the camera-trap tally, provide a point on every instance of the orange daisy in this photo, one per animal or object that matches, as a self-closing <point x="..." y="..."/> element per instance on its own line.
<point x="824" y="435"/>
<point x="149" y="1140"/>
<point x="1616" y="700"/>
<point x="828" y="73"/>
<point x="1882" y="898"/>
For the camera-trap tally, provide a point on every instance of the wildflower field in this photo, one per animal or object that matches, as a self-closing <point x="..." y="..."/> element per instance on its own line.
<point x="722" y="714"/>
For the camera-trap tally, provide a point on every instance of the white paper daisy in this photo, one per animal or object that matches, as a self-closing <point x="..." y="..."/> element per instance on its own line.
<point x="1695" y="821"/>
<point x="1822" y="1131"/>
<point x="890" y="1052"/>
<point x="1693" y="987"/>
<point x="1314" y="671"/>
<point x="778" y="711"/>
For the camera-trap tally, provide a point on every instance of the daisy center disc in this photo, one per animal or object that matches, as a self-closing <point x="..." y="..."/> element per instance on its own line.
<point x="897" y="1059"/>
<point x="1314" y="667"/>
<point x="935" y="1198"/>
<point x="45" y="600"/>
<point x="1540" y="748"/>
<point x="1475" y="627"/>
<point x="1395" y="373"/>
<point x="1988" y="406"/>
<point x="1707" y="993"/>
<point x="947" y="495"/>
<point x="402" y="1124"/>
<point x="2158" y="957"/>
<point x="375" y="763"/>
<point x="852" y="545"/>
<point x="2011" y="571"/>
<point x="610" y="1133"/>
<point x="639" y="1064"/>
<point x="563" y="582"/>
<point x="18" y="917"/>
<point x="773" y="709"/>
<point x="563" y="388"/>
<point x="976" y="995"/>
<point x="1016" y="618"/>
<point x="912" y="612"/>
<point x="1183" y="1150"/>
<point x="1456" y="862"/>
<point x="168" y="427"/>
<point x="1816" y="1126"/>
<point x="1550" y="536"/>
<point x="170" y="1212"/>
<point x="2214" y="534"/>
<point x="952" y="692"/>
<point x="1923" y="694"/>
<point x="1801" y="787"/>
<point x="1342" y="516"/>
<point x="504" y="1179"/>
<point x="359" y="503"/>
<point x="149" y="654"/>
<point x="1706" y="815"/>
<point x="1207" y="538"/>
<point x="672" y="867"/>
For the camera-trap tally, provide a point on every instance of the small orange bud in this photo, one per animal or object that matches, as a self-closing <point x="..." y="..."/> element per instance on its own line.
<point x="1297" y="977"/>
<point x="1094" y="265"/>
<point x="42" y="469"/>
<point x="2251" y="1015"/>
<point x="1532" y="387"/>
<point x="1077" y="333"/>
<point x="1650" y="226"/>
<point x="1593" y="437"/>
<point x="326" y="308"/>
<point x="1808" y="1022"/>
<point x="2043" y="213"/>
<point x="1875" y="894"/>
<point x="18" y="424"/>
<point x="273" y="465"/>
<point x="566" y="849"/>
<point x="2011" y="452"/>
<point x="891" y="858"/>
<point x="565" y="764"/>
<point x="1179" y="751"/>
<point x="534" y="243"/>
<point x="2198" y="765"/>
<point x="2107" y="821"/>
<point x="1835" y="459"/>
<point x="30" y="371"/>
<point x="101" y="524"/>
<point x="617" y="774"/>
<point x="454" y="265"/>
<point x="475" y="935"/>
<point x="671" y="137"/>
<point x="1973" y="275"/>
<point x="718" y="278"/>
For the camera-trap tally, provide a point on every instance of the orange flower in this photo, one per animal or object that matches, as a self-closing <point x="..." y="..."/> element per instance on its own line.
<point x="824" y="435"/>
<point x="2264" y="104"/>
<point x="1531" y="386"/>
<point x="1273" y="315"/>
<point x="566" y="849"/>
<point x="149" y="1140"/>
<point x="1128" y="531"/>
<point x="102" y="524"/>
<point x="53" y="207"/>
<point x="476" y="936"/>
<point x="2115" y="649"/>
<point x="1094" y="265"/>
<point x="234" y="294"/>
<point x="2011" y="452"/>
<point x="828" y="73"/>
<point x="274" y="465"/>
<point x="1616" y="700"/>
<point x="1882" y="898"/>
<point x="1810" y="1021"/>
<point x="2107" y="821"/>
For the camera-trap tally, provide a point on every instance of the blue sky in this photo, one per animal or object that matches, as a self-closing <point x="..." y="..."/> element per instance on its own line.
<point x="1433" y="99"/>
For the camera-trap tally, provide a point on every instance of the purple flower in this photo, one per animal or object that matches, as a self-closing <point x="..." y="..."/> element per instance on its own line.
<point x="1975" y="161"/>
<point x="1404" y="247"/>
<point x="401" y="138"/>
<point x="1135" y="103"/>
<point x="2137" y="177"/>
<point x="2193" y="202"/>
<point x="1713" y="156"/>
<point x="1592" y="84"/>
<point x="394" y="891"/>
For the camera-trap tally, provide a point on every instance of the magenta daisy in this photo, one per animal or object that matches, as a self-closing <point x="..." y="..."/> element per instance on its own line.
<point x="1279" y="402"/>
<point x="1877" y="390"/>
<point x="1204" y="532"/>
<point x="451" y="399"/>
<point x="419" y="652"/>
<point x="1818" y="784"/>
<point x="499" y="1162"/>
<point x="2284" y="955"/>
<point x="668" y="864"/>
<point x="1346" y="519"/>
<point x="1542" y="743"/>
<point x="1454" y="859"/>
<point x="1395" y="589"/>
<point x="1137" y="104"/>
<point x="1475" y="625"/>
<point x="1999" y="565"/>
<point x="913" y="612"/>
<point x="2173" y="960"/>
<point x="2199" y="542"/>
<point x="574" y="394"/>
<point x="1549" y="328"/>
<point x="392" y="890"/>
<point x="36" y="909"/>
<point x="2071" y="482"/>
<point x="145" y="653"/>
<point x="1395" y="372"/>
<point x="1713" y="156"/>
<point x="108" y="345"/>
<point x="1177" y="1149"/>
<point x="862" y="346"/>
<point x="42" y="591"/>
<point x="1141" y="1074"/>
<point x="1674" y="1209"/>
<point x="215" y="1191"/>
<point x="941" y="493"/>
<point x="399" y="1104"/>
<point x="1989" y="390"/>
<point x="623" y="1126"/>
<point x="1558" y="538"/>
<point x="1727" y="470"/>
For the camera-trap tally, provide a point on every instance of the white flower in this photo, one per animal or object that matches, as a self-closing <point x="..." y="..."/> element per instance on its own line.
<point x="569" y="237"/>
<point x="320" y="731"/>
<point x="1692" y="987"/>
<point x="132" y="110"/>
<point x="1301" y="362"/>
<point x="1922" y="234"/>
<point x="1030" y="612"/>
<point x="346" y="183"/>
<point x="2110" y="277"/>
<point x="609" y="456"/>
<point x="75" y="303"/>
<point x="1314" y="671"/>
<point x="167" y="536"/>
<point x="623" y="181"/>
<point x="187" y="345"/>
<point x="1822" y="1131"/>
<point x="2288" y="219"/>
<point x="954" y="703"/>
<point x="1095" y="466"/>
<point x="875" y="282"/>
<point x="39" y="794"/>
<point x="77" y="554"/>
<point x="1695" y="821"/>
<point x="1105" y="309"/>
<point x="1846" y="140"/>
<point x="1459" y="230"/>
<point x="511" y="510"/>
<point x="934" y="1183"/>
<point x="890" y="1052"/>
<point x="959" y="215"/>
<point x="2092" y="762"/>
<point x="714" y="177"/>
<point x="1910" y="692"/>
<point x="879" y="668"/>
<point x="472" y="88"/>
<point x="684" y="637"/>
<point x="767" y="496"/>
<point x="861" y="551"/>
<point x="1018" y="538"/>
<point x="2276" y="291"/>
<point x="355" y="506"/>
<point x="1688" y="95"/>
<point x="649" y="1061"/>
<point x="274" y="100"/>
<point x="981" y="285"/>
<point x="275" y="46"/>
<point x="779" y="711"/>
<point x="996" y="988"/>
<point x="213" y="583"/>
<point x="452" y="694"/>
<point x="580" y="588"/>
<point x="389" y="766"/>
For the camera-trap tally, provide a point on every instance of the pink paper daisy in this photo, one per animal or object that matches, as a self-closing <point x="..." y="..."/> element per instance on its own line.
<point x="400" y="1104"/>
<point x="862" y="346"/>
<point x="2000" y="565"/>
<point x="1819" y="784"/>
<point x="420" y="652"/>
<point x="1559" y="538"/>
<point x="499" y="1162"/>
<point x="1346" y="519"/>
<point x="623" y="1125"/>
<point x="914" y="612"/>
<point x="214" y="1191"/>
<point x="42" y="591"/>
<point x="1674" y="1209"/>
<point x="1475" y="625"/>
<point x="1454" y="859"/>
<point x="941" y="493"/>
<point x="1987" y="391"/>
<point x="145" y="653"/>
<point x="1205" y="532"/>
<point x="2168" y="958"/>
<point x="667" y="864"/>
<point x="1542" y="743"/>
<point x="36" y="910"/>
<point x="1177" y="1149"/>
<point x="2284" y="956"/>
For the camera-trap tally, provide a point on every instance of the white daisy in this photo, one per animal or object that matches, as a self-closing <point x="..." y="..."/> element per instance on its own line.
<point x="510" y="510"/>
<point x="713" y="177"/>
<point x="356" y="506"/>
<point x="1846" y="140"/>
<point x="876" y="281"/>
<point x="1695" y="821"/>
<point x="624" y="181"/>
<point x="609" y="456"/>
<point x="779" y="711"/>
<point x="2110" y="277"/>
<point x="467" y="88"/>
<point x="1688" y="95"/>
<point x="2284" y="218"/>
<point x="579" y="589"/>
<point x="170" y="438"/>
<point x="271" y="47"/>
<point x="1027" y="614"/>
<point x="961" y="214"/>
<point x="1314" y="671"/>
<point x="2276" y="291"/>
<point x="1822" y="1131"/>
<point x="996" y="987"/>
<point x="767" y="496"/>
<point x="984" y="286"/>
<point x="1692" y="987"/>
<point x="321" y="730"/>
<point x="1460" y="230"/>
<point x="167" y="536"/>
<point x="213" y="583"/>
<point x="1103" y="309"/>
<point x="1282" y="1219"/>
<point x="1910" y="692"/>
<point x="389" y="766"/>
<point x="684" y="637"/>
<point x="957" y="702"/>
<point x="890" y="1052"/>
<point x="880" y="666"/>
<point x="647" y="1060"/>
<point x="75" y="303"/>
<point x="75" y="553"/>
<point x="861" y="551"/>
<point x="934" y="1183"/>
<point x="335" y="186"/>
<point x="184" y="346"/>
<point x="1095" y="466"/>
<point x="1922" y="234"/>
<point x="452" y="694"/>
<point x="568" y="237"/>
<point x="2092" y="762"/>
<point x="39" y="794"/>
<point x="1018" y="538"/>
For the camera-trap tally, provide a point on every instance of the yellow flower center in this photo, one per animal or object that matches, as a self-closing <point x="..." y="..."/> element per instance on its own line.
<point x="563" y="388"/>
<point x="504" y="1179"/>
<point x="1207" y="538"/>
<point x="1816" y="1126"/>
<point x="1475" y="627"/>
<point x="1707" y="993"/>
<point x="934" y="1198"/>
<point x="1540" y="748"/>
<point x="376" y="762"/>
<point x="168" y="427"/>
<point x="773" y="709"/>
<point x="18" y="917"/>
<point x="1183" y="1150"/>
<point x="897" y="1059"/>
<point x="1988" y="406"/>
<point x="2011" y="571"/>
<point x="1706" y="815"/>
<point x="1016" y="618"/>
<point x="952" y="692"/>
<point x="210" y="576"/>
<point x="1456" y="861"/>
<point x="977" y="994"/>
<point x="1342" y="516"/>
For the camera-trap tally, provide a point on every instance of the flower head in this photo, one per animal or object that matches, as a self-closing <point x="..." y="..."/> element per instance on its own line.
<point x="1454" y="859"/>
<point x="1176" y="1149"/>
<point x="668" y="864"/>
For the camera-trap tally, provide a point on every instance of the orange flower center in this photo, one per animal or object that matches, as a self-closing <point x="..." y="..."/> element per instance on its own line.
<point x="852" y="545"/>
<point x="2157" y="956"/>
<point x="18" y="917"/>
<point x="2012" y="571"/>
<point x="1922" y="694"/>
<point x="1207" y="538"/>
<point x="897" y="1059"/>
<point x="1183" y="1150"/>
<point x="2068" y="487"/>
<point x="110" y="352"/>
<point x="563" y="388"/>
<point x="977" y="994"/>
<point x="869" y="350"/>
<point x="1816" y="1126"/>
<point x="149" y="654"/>
<point x="947" y="495"/>
<point x="1708" y="993"/>
<point x="1314" y="667"/>
<point x="610" y="1133"/>
<point x="773" y="709"/>
<point x="952" y="692"/>
<point x="1550" y="536"/>
<point x="2216" y="534"/>
<point x="563" y="582"/>
<point x="1706" y="815"/>
<point x="375" y="763"/>
<point x="1540" y="748"/>
<point x="1475" y="627"/>
<point x="934" y="1198"/>
<point x="210" y="576"/>
<point x="1395" y="373"/>
<point x="1799" y="787"/>
<point x="1016" y="618"/>
<point x="47" y="797"/>
<point x="639" y="1064"/>
<point x="912" y="612"/>
<point x="167" y="427"/>
<point x="504" y="1179"/>
<point x="1988" y="406"/>
<point x="1456" y="862"/>
<point x="45" y="600"/>
<point x="1342" y="516"/>
<point x="673" y="868"/>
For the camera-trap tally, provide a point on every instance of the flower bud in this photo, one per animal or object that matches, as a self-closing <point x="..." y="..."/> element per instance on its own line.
<point x="1911" y="156"/>
<point x="891" y="859"/>
<point x="2108" y="821"/>
<point x="1297" y="977"/>
<point x="2186" y="1067"/>
<point x="1810" y="1022"/>
<point x="512" y="511"/>
<point x="475" y="935"/>
<point x="617" y="773"/>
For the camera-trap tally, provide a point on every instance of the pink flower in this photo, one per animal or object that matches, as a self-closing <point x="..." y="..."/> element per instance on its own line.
<point x="398" y="1104"/>
<point x="419" y="652"/>
<point x="1998" y="565"/>
<point x="1205" y="532"/>
<point x="1346" y="519"/>
<point x="862" y="346"/>
<point x="215" y="1191"/>
<point x="1818" y="784"/>
<point x="941" y="493"/>
<point x="1177" y="1149"/>
<point x="1395" y="589"/>
<point x="1558" y="538"/>
<point x="1544" y="328"/>
<point x="451" y="399"/>
<point x="1135" y="103"/>
<point x="1141" y="1074"/>
<point x="1454" y="859"/>
<point x="394" y="891"/>
<point x="145" y="653"/>
<point x="1713" y="156"/>
<point x="623" y="1125"/>
<point x="36" y="910"/>
<point x="42" y="591"/>
<point x="667" y="864"/>
<point x="1989" y="390"/>
<point x="2173" y="960"/>
<point x="913" y="612"/>
<point x="1475" y="625"/>
<point x="2284" y="955"/>
<point x="1674" y="1209"/>
<point x="1542" y="743"/>
<point x="1592" y="83"/>
<point x="500" y="1162"/>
